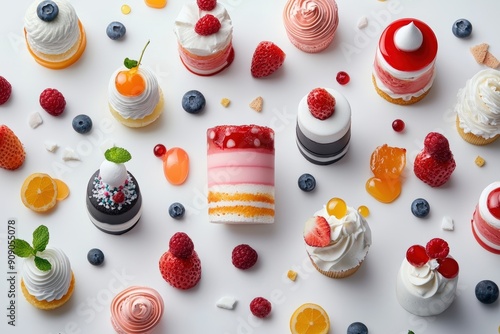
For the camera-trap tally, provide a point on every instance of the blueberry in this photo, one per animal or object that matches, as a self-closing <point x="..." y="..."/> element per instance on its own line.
<point x="462" y="28"/>
<point x="176" y="210"/>
<point x="307" y="182"/>
<point x="420" y="208"/>
<point x="47" y="10"/>
<point x="357" y="328"/>
<point x="193" y="102"/>
<point x="487" y="292"/>
<point x="95" y="256"/>
<point x="82" y="123"/>
<point x="115" y="30"/>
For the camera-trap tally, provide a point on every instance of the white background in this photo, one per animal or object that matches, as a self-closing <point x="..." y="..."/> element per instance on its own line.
<point x="132" y="259"/>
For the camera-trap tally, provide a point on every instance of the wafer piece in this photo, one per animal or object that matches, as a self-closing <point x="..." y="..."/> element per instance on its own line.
<point x="491" y="61"/>
<point x="479" y="52"/>
<point x="257" y="103"/>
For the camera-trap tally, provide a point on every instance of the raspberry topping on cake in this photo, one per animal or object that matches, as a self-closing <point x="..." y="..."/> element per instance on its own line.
<point x="241" y="137"/>
<point x="493" y="203"/>
<point x="206" y="4"/>
<point x="207" y="25"/>
<point x="321" y="103"/>
<point x="435" y="251"/>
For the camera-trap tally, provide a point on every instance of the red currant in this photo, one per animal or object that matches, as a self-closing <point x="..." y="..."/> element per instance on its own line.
<point x="417" y="256"/>
<point x="343" y="78"/>
<point x="437" y="248"/>
<point x="159" y="150"/>
<point x="448" y="267"/>
<point x="398" y="125"/>
<point x="493" y="203"/>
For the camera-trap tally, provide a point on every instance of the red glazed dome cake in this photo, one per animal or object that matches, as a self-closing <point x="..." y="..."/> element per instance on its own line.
<point x="404" y="68"/>
<point x="240" y="165"/>
<point x="486" y="218"/>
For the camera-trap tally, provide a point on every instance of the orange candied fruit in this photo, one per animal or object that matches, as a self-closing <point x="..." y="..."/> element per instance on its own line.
<point x="176" y="165"/>
<point x="130" y="82"/>
<point x="156" y="3"/>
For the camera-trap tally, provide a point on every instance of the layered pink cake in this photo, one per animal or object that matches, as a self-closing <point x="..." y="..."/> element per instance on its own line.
<point x="486" y="218"/>
<point x="240" y="165"/>
<point x="404" y="68"/>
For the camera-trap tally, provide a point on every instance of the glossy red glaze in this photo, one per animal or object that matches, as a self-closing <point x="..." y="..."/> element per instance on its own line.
<point x="448" y="267"/>
<point x="493" y="203"/>
<point x="241" y="137"/>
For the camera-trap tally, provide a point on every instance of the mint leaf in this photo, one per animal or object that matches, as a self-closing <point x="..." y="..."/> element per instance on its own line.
<point x="40" y="238"/>
<point x="22" y="248"/>
<point x="411" y="332"/>
<point x="117" y="155"/>
<point x="130" y="63"/>
<point x="42" y="264"/>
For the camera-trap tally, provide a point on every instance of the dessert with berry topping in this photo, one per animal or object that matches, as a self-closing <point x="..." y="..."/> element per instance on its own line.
<point x="323" y="126"/>
<point x="311" y="25"/>
<point x="47" y="278"/>
<point x="240" y="165"/>
<point x="435" y="163"/>
<point x="478" y="108"/>
<point x="136" y="309"/>
<point x="486" y="218"/>
<point x="114" y="201"/>
<point x="404" y="68"/>
<point x="180" y="266"/>
<point x="427" y="279"/>
<point x="12" y="154"/>
<point x="54" y="34"/>
<point x="134" y="94"/>
<point x="204" y="32"/>
<point x="337" y="239"/>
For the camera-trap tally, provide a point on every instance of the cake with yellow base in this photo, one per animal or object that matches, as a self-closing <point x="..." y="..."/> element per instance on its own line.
<point x="54" y="34"/>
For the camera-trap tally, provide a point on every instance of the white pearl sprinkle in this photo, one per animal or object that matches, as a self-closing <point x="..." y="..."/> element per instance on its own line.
<point x="230" y="143"/>
<point x="256" y="142"/>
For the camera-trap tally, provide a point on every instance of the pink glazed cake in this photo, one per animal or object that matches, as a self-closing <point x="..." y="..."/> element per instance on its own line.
<point x="240" y="165"/>
<point x="486" y="218"/>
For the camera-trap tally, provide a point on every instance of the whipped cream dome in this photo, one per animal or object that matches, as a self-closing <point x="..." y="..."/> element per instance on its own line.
<point x="54" y="37"/>
<point x="478" y="105"/>
<point x="52" y="284"/>
<point x="195" y="43"/>
<point x="135" y="107"/>
<point x="113" y="174"/>
<point x="350" y="240"/>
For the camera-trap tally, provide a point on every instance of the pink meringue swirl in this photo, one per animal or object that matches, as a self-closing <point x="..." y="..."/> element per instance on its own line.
<point x="311" y="24"/>
<point x="136" y="310"/>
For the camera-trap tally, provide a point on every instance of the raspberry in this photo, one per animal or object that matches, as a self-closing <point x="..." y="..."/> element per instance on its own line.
<point x="181" y="245"/>
<point x="260" y="307"/>
<point x="206" y="4"/>
<point x="437" y="248"/>
<point x="437" y="146"/>
<point x="321" y="103"/>
<point x="207" y="25"/>
<point x="52" y="101"/>
<point x="244" y="256"/>
<point x="5" y="90"/>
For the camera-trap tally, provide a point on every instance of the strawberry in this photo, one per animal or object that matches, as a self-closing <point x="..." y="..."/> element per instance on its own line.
<point x="317" y="232"/>
<point x="180" y="266"/>
<point x="206" y="5"/>
<point x="434" y="164"/>
<point x="267" y="58"/>
<point x="321" y="103"/>
<point x="12" y="152"/>
<point x="207" y="25"/>
<point x="5" y="90"/>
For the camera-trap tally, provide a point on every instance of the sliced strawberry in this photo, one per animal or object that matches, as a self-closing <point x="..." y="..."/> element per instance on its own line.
<point x="317" y="232"/>
<point x="12" y="152"/>
<point x="267" y="58"/>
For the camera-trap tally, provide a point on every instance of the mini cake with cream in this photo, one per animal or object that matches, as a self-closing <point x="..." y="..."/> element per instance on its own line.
<point x="486" y="218"/>
<point x="137" y="309"/>
<point x="427" y="279"/>
<point x="337" y="239"/>
<point x="311" y="25"/>
<point x="134" y="94"/>
<point x="114" y="201"/>
<point x="47" y="278"/>
<point x="478" y="108"/>
<point x="240" y="165"/>
<point x="404" y="66"/>
<point x="204" y="32"/>
<point x="54" y="34"/>
<point x="323" y="129"/>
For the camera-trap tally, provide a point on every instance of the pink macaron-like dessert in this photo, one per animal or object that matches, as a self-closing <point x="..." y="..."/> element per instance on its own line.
<point x="240" y="165"/>
<point x="311" y="25"/>
<point x="486" y="218"/>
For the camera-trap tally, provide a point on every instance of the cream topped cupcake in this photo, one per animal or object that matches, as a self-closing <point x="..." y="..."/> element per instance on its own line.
<point x="337" y="239"/>
<point x="478" y="108"/>
<point x="54" y="34"/>
<point x="134" y="94"/>
<point x="47" y="278"/>
<point x="136" y="309"/>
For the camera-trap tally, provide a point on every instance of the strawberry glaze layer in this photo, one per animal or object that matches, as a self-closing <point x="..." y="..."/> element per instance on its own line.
<point x="207" y="65"/>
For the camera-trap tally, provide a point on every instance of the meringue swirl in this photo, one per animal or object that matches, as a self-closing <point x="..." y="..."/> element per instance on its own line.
<point x="311" y="24"/>
<point x="52" y="284"/>
<point x="136" y="107"/>
<point x="54" y="37"/>
<point x="478" y="106"/>
<point x="136" y="310"/>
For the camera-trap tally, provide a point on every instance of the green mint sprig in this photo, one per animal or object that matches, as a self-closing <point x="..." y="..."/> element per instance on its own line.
<point x="117" y="155"/>
<point x="40" y="241"/>
<point x="130" y="63"/>
<point x="411" y="332"/>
